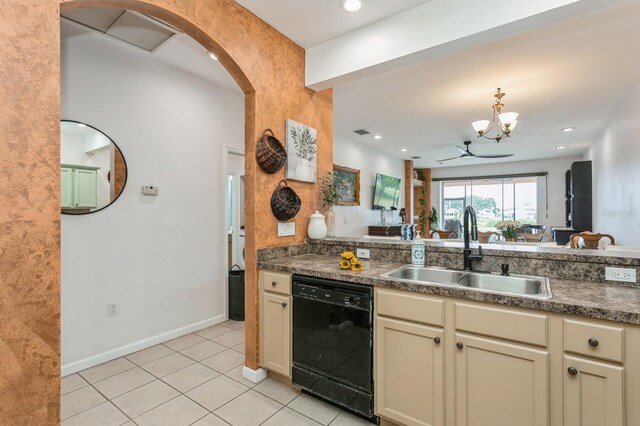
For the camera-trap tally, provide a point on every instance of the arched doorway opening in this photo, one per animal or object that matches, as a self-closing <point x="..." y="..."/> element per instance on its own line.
<point x="195" y="24"/>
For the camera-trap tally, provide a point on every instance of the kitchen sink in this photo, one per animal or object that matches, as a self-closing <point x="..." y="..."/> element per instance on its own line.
<point x="513" y="284"/>
<point x="430" y="275"/>
<point x="519" y="285"/>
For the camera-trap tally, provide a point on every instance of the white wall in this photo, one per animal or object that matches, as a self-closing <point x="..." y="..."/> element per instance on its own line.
<point x="161" y="258"/>
<point x="616" y="175"/>
<point x="556" y="183"/>
<point x="352" y="221"/>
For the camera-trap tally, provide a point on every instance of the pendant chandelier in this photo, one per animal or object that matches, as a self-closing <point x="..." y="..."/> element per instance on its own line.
<point x="506" y="121"/>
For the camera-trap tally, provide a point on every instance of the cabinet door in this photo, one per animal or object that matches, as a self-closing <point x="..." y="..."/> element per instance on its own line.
<point x="66" y="187"/>
<point x="500" y="384"/>
<point x="409" y="386"/>
<point x="276" y="349"/>
<point x="594" y="393"/>
<point x="86" y="188"/>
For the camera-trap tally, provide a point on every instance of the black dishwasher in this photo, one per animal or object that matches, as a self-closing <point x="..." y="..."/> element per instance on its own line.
<point x="333" y="342"/>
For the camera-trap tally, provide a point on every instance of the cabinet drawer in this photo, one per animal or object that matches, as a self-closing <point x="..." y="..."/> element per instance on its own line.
<point x="277" y="282"/>
<point x="502" y="323"/>
<point x="594" y="340"/>
<point x="410" y="306"/>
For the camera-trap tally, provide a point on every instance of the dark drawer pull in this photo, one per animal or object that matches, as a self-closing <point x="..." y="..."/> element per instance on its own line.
<point x="284" y="305"/>
<point x="593" y="342"/>
<point x="572" y="371"/>
<point x="436" y="340"/>
<point x="274" y="283"/>
<point x="460" y="345"/>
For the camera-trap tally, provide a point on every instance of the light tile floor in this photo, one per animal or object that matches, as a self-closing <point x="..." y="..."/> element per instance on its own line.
<point x="192" y="380"/>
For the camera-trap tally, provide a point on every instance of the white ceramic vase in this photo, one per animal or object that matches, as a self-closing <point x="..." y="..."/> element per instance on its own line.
<point x="317" y="228"/>
<point x="304" y="171"/>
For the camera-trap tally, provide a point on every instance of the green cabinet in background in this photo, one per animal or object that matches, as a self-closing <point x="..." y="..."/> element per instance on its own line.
<point x="79" y="187"/>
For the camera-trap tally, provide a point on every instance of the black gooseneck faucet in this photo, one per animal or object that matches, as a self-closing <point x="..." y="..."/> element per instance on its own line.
<point x="470" y="215"/>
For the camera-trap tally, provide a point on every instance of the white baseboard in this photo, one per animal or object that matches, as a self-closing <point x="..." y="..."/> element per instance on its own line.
<point x="254" y="376"/>
<point x="74" y="367"/>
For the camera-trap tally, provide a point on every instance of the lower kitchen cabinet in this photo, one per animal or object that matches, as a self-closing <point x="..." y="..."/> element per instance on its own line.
<point x="409" y="372"/>
<point x="275" y="322"/>
<point x="276" y="350"/>
<point x="594" y="393"/>
<point x="500" y="384"/>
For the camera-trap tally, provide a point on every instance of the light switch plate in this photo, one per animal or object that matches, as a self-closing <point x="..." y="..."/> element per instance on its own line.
<point x="627" y="275"/>
<point x="150" y="190"/>
<point x="363" y="253"/>
<point x="286" y="229"/>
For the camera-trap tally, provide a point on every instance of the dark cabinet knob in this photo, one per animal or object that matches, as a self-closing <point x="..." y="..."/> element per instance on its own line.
<point x="284" y="305"/>
<point x="460" y="345"/>
<point x="274" y="283"/>
<point x="572" y="371"/>
<point x="593" y="342"/>
<point x="436" y="340"/>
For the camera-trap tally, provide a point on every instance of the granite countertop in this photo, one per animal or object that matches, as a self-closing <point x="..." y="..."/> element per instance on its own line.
<point x="613" y="257"/>
<point x="611" y="302"/>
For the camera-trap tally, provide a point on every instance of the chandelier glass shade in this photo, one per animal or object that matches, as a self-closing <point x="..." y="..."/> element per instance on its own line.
<point x="505" y="121"/>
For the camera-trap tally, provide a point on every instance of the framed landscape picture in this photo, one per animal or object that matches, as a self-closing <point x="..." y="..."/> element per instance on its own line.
<point x="302" y="145"/>
<point x="349" y="185"/>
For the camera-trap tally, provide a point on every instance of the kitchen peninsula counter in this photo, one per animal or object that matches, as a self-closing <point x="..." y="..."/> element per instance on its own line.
<point x="613" y="302"/>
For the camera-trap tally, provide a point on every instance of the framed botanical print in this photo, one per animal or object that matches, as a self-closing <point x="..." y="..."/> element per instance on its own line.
<point x="301" y="152"/>
<point x="348" y="184"/>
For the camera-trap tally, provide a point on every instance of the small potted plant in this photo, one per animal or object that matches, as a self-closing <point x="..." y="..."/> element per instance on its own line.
<point x="330" y="196"/>
<point x="433" y="219"/>
<point x="509" y="229"/>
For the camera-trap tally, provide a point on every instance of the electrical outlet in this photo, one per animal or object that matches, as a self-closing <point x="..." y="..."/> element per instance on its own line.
<point x="112" y="309"/>
<point x="627" y="275"/>
<point x="286" y="229"/>
<point x="363" y="253"/>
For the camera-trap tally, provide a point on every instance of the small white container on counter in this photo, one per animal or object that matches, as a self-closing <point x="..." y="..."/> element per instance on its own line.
<point x="417" y="251"/>
<point x="317" y="227"/>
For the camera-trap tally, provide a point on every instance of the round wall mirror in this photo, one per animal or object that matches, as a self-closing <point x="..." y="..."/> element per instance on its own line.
<point x="92" y="169"/>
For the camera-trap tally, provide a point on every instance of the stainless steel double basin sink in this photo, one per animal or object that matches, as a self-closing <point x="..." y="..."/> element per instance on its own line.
<point x="513" y="285"/>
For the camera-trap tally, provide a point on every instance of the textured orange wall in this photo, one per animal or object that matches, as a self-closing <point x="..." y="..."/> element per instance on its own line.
<point x="267" y="66"/>
<point x="29" y="212"/>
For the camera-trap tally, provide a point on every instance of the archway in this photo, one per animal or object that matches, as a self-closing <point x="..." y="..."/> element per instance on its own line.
<point x="266" y="65"/>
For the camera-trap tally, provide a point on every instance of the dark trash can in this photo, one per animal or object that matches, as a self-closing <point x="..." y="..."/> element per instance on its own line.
<point x="236" y="294"/>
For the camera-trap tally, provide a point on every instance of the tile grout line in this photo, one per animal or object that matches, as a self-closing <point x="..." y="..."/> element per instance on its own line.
<point x="140" y="366"/>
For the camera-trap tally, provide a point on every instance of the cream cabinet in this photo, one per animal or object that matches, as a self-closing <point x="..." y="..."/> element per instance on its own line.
<point x="78" y="187"/>
<point x="499" y="383"/>
<point x="409" y="372"/>
<point x="275" y="322"/>
<point x="594" y="393"/>
<point x="500" y="365"/>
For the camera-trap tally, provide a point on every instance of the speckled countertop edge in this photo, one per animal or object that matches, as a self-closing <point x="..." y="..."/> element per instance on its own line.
<point x="552" y="253"/>
<point x="586" y="299"/>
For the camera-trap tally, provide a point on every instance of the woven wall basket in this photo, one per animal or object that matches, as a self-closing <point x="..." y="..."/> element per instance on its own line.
<point x="270" y="153"/>
<point x="285" y="203"/>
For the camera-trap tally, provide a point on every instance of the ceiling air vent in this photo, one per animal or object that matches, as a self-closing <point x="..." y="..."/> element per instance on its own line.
<point x="416" y="157"/>
<point x="135" y="29"/>
<point x="361" y="132"/>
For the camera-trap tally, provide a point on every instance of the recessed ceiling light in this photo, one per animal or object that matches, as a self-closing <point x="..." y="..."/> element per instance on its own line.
<point x="81" y="125"/>
<point x="377" y="137"/>
<point x="568" y="129"/>
<point x="351" y="5"/>
<point x="561" y="147"/>
<point x="404" y="150"/>
<point x="212" y="56"/>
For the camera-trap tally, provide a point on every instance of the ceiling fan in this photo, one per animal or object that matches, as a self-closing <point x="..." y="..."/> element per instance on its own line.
<point x="465" y="153"/>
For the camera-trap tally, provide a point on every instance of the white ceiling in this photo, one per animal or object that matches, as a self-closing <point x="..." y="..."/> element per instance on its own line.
<point x="309" y="22"/>
<point x="575" y="73"/>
